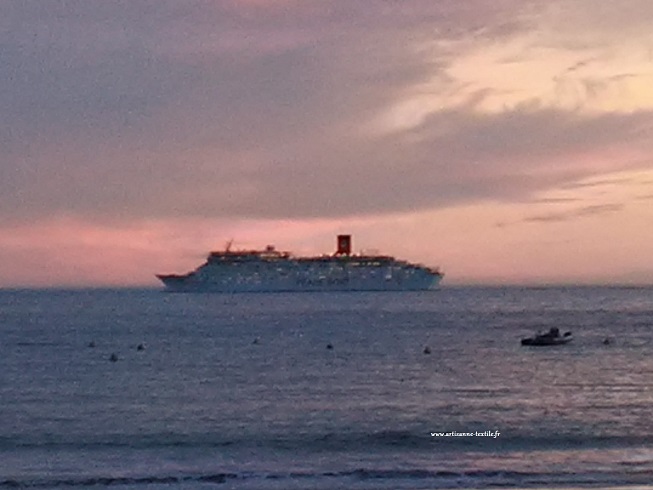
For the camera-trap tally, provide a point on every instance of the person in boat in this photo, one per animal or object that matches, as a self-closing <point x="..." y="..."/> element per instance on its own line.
<point x="554" y="332"/>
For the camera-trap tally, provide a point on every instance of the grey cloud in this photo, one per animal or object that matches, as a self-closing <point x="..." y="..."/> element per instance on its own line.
<point x="457" y="157"/>
<point x="554" y="200"/>
<point x="583" y="212"/>
<point x="597" y="183"/>
<point x="165" y="108"/>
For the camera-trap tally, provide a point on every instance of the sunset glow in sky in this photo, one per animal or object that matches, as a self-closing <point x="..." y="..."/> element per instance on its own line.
<point x="508" y="141"/>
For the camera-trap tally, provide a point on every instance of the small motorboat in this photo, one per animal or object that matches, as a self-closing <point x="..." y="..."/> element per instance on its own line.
<point x="552" y="337"/>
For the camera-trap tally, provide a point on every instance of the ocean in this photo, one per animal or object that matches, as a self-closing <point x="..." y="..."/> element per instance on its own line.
<point x="428" y="390"/>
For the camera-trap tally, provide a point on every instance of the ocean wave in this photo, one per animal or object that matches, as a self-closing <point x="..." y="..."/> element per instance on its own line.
<point x="435" y="479"/>
<point x="331" y="441"/>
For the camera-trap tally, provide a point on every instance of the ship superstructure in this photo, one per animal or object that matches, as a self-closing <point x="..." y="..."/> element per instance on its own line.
<point x="270" y="270"/>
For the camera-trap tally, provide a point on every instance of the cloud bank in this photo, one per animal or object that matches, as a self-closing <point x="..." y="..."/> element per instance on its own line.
<point x="246" y="109"/>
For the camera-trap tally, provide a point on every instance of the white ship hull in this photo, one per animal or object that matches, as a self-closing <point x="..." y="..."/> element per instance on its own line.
<point x="245" y="284"/>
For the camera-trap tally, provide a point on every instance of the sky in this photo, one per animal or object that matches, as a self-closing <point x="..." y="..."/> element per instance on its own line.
<point x="508" y="142"/>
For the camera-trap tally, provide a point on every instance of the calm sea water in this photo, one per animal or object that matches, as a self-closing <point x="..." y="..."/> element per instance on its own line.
<point x="243" y="391"/>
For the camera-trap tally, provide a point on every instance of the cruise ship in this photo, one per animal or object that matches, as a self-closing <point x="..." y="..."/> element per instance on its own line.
<point x="271" y="270"/>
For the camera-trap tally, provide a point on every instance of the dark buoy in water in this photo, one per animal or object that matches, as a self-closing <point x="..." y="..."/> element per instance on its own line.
<point x="606" y="341"/>
<point x="427" y="350"/>
<point x="329" y="346"/>
<point x="113" y="357"/>
<point x="91" y="344"/>
<point x="140" y="347"/>
<point x="256" y="340"/>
